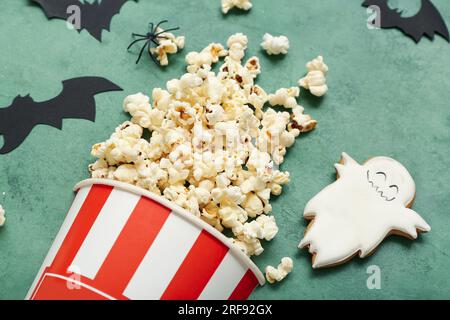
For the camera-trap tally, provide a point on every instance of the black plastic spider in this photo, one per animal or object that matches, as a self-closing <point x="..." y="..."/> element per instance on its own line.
<point x="152" y="36"/>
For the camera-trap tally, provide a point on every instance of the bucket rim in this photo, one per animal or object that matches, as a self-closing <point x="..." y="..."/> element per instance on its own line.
<point x="183" y="213"/>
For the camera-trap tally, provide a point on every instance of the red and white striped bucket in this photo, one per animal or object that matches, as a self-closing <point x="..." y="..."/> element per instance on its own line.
<point x="121" y="242"/>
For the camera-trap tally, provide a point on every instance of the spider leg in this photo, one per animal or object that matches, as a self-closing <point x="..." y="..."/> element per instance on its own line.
<point x="168" y="30"/>
<point x="150" y="26"/>
<point x="152" y="56"/>
<point x="158" y="25"/>
<point x="138" y="35"/>
<point x="142" y="51"/>
<point x="135" y="41"/>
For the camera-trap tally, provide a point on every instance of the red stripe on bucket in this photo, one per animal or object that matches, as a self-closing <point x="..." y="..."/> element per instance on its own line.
<point x="245" y="287"/>
<point x="80" y="228"/>
<point x="131" y="246"/>
<point x="197" y="268"/>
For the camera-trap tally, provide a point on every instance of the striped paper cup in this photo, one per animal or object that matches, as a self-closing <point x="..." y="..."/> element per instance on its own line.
<point x="121" y="242"/>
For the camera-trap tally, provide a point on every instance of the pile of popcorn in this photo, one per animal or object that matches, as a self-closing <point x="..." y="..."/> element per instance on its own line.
<point x="2" y="216"/>
<point x="213" y="150"/>
<point x="170" y="44"/>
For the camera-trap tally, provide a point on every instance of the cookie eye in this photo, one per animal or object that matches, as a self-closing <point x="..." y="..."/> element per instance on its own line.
<point x="382" y="174"/>
<point x="394" y="187"/>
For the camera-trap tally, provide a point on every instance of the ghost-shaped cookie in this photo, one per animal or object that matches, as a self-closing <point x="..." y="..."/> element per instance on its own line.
<point x="359" y="210"/>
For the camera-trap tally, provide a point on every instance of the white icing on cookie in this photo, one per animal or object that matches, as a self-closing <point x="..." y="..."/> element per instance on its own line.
<point x="355" y="213"/>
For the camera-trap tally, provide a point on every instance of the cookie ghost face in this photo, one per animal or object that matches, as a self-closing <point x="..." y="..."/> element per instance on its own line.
<point x="390" y="180"/>
<point x="380" y="184"/>
<point x="354" y="214"/>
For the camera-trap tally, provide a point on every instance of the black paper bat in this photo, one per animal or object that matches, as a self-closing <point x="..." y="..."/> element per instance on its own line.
<point x="95" y="17"/>
<point x="76" y="101"/>
<point x="427" y="22"/>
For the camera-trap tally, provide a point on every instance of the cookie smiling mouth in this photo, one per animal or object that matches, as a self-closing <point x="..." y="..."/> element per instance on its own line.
<point x="377" y="188"/>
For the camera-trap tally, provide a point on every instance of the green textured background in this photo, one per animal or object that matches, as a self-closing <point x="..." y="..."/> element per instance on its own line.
<point x="388" y="96"/>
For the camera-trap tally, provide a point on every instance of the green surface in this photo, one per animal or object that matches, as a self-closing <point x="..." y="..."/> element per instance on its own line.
<point x="388" y="96"/>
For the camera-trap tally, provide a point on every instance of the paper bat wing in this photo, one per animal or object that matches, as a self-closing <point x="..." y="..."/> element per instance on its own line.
<point x="16" y="122"/>
<point x="56" y="8"/>
<point x="95" y="17"/>
<point x="76" y="101"/>
<point x="98" y="16"/>
<point x="427" y="22"/>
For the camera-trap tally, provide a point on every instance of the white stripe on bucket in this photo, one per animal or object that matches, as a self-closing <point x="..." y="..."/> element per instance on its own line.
<point x="224" y="280"/>
<point x="163" y="259"/>
<point x="104" y="233"/>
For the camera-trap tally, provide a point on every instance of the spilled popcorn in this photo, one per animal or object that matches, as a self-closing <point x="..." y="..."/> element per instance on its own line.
<point x="275" y="45"/>
<point x="315" y="80"/>
<point x="227" y="5"/>
<point x="213" y="149"/>
<point x="169" y="44"/>
<point x="284" y="268"/>
<point x="2" y="216"/>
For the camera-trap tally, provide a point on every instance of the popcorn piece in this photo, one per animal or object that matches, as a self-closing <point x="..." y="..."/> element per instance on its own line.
<point x="161" y="99"/>
<point x="301" y="122"/>
<point x="224" y="194"/>
<point x="254" y="247"/>
<point x="183" y="86"/>
<point x="126" y="173"/>
<point x="216" y="50"/>
<point x="215" y="114"/>
<point x="315" y="80"/>
<point x="253" y="205"/>
<point x="123" y="146"/>
<point x="275" y="45"/>
<point x="274" y="127"/>
<point x="285" y="97"/>
<point x="250" y="248"/>
<point x="317" y="64"/>
<point x="208" y="56"/>
<point x="165" y="47"/>
<point x="138" y="105"/>
<point x="237" y="45"/>
<point x="238" y="38"/>
<point x="284" y="268"/>
<point x="2" y="216"/>
<point x="232" y="216"/>
<point x="237" y="52"/>
<point x="196" y="60"/>
<point x="268" y="226"/>
<point x="211" y="148"/>
<point x="101" y="170"/>
<point x="253" y="66"/>
<point x="258" y="97"/>
<point x="263" y="227"/>
<point x="177" y="193"/>
<point x="210" y="214"/>
<point x="227" y="5"/>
